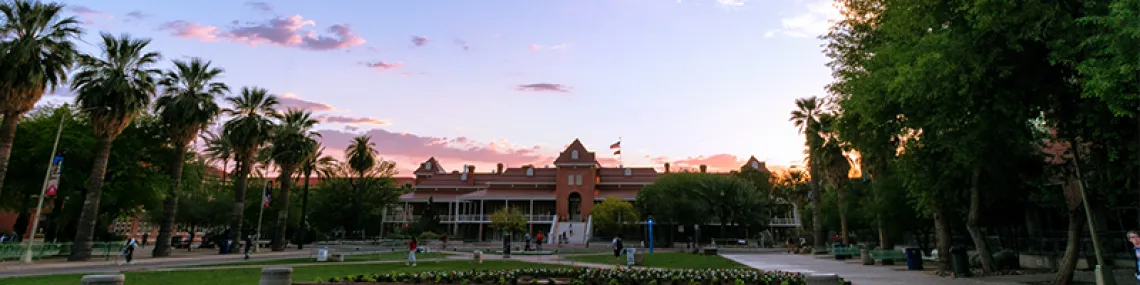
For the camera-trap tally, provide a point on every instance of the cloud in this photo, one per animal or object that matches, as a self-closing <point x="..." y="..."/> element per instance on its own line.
<point x="63" y="92"/>
<point x="813" y="22"/>
<point x="259" y="6"/>
<point x="408" y="150"/>
<point x="88" y="15"/>
<point x="544" y="87"/>
<point x="717" y="162"/>
<point x="280" y="31"/>
<point x="536" y="47"/>
<point x="731" y="3"/>
<point x="382" y="65"/>
<point x="351" y="128"/>
<point x="191" y="30"/>
<point x="351" y="120"/>
<point x="419" y="41"/>
<point x="137" y="15"/>
<point x="290" y="100"/>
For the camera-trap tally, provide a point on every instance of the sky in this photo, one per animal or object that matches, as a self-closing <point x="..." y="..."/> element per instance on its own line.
<point x="688" y="82"/>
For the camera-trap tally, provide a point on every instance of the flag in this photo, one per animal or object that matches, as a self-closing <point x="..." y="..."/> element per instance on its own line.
<point x="616" y="145"/>
<point x="265" y="201"/>
<point x="617" y="152"/>
<point x="53" y="177"/>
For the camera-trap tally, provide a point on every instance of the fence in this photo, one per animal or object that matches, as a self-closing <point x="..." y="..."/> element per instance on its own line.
<point x="14" y="251"/>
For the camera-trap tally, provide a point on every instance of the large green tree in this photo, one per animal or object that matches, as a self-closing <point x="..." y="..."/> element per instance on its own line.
<point x="354" y="205"/>
<point x="113" y="90"/>
<point x="186" y="107"/>
<point x="315" y="161"/>
<point x="247" y="132"/>
<point x="35" y="53"/>
<point x="290" y="146"/>
<point x="613" y="216"/>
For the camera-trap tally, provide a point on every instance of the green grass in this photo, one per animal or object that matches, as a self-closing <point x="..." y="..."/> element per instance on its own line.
<point x="300" y="274"/>
<point x="676" y="260"/>
<point x="348" y="258"/>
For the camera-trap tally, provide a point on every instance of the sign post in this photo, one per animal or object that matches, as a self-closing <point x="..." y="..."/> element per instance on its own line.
<point x="650" y="235"/>
<point x="264" y="204"/>
<point x="52" y="171"/>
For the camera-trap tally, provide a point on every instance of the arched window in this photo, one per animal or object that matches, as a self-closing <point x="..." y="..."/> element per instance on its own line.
<point x="755" y="165"/>
<point x="427" y="165"/>
<point x="628" y="172"/>
<point x="529" y="171"/>
<point x="574" y="154"/>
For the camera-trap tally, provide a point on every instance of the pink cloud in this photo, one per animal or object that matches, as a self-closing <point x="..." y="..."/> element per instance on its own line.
<point x="408" y="150"/>
<point x="281" y="31"/>
<point x="88" y="15"/>
<point x="544" y="87"/>
<point x="289" y="100"/>
<point x="351" y="120"/>
<point x="382" y="65"/>
<point x="191" y="30"/>
<point x="719" y="162"/>
<point x="419" y="41"/>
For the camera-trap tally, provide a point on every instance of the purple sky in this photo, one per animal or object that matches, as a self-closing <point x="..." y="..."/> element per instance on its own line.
<point x="480" y="82"/>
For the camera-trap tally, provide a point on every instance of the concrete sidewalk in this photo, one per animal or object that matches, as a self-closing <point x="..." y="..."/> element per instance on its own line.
<point x="856" y="273"/>
<point x="141" y="261"/>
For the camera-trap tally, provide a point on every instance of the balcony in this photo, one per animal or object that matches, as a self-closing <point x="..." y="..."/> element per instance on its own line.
<point x="447" y="219"/>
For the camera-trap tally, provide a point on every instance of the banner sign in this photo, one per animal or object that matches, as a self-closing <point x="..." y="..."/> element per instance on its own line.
<point x="53" y="177"/>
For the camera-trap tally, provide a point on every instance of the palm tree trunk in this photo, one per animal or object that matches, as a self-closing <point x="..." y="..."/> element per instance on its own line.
<point x="7" y="137"/>
<point x="842" y="213"/>
<point x="225" y="172"/>
<point x="170" y="204"/>
<point x="286" y="179"/>
<point x="1072" y="246"/>
<point x="240" y="185"/>
<point x="85" y="230"/>
<point x="972" y="221"/>
<point x="303" y="229"/>
<point x="816" y="220"/>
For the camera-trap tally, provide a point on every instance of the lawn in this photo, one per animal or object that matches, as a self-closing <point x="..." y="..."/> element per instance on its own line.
<point x="347" y="258"/>
<point x="677" y="260"/>
<point x="300" y="274"/>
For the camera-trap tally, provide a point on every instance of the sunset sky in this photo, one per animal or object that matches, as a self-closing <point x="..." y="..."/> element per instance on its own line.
<point x="481" y="82"/>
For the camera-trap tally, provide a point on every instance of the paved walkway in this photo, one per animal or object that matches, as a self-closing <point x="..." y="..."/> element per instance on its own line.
<point x="142" y="261"/>
<point x="856" y="273"/>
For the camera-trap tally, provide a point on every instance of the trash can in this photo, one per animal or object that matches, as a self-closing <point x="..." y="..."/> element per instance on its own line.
<point x="960" y="261"/>
<point x="865" y="254"/>
<point x="837" y="250"/>
<point x="323" y="254"/>
<point x="913" y="258"/>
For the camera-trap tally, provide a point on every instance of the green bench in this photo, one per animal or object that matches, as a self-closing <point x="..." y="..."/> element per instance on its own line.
<point x="847" y="251"/>
<point x="887" y="257"/>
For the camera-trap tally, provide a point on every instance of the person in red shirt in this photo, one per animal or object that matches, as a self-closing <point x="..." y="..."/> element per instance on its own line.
<point x="411" y="252"/>
<point x="538" y="241"/>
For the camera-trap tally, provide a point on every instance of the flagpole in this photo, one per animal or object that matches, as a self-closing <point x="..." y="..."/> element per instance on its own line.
<point x="268" y="183"/>
<point x="43" y="191"/>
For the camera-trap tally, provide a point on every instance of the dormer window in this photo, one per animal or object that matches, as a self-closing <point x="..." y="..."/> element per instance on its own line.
<point x="463" y="176"/>
<point x="574" y="154"/>
<point x="756" y="165"/>
<point x="628" y="172"/>
<point x="427" y="165"/>
<point x="529" y="171"/>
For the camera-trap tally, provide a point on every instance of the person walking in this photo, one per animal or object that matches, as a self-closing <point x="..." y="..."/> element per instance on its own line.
<point x="129" y="249"/>
<point x="526" y="242"/>
<point x="444" y="239"/>
<point x="618" y="247"/>
<point x="411" y="253"/>
<point x="248" y="245"/>
<point x="538" y="241"/>
<point x="146" y="237"/>
<point x="1134" y="238"/>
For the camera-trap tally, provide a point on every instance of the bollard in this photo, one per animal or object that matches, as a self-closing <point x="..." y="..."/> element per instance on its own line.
<point x="276" y="276"/>
<point x="103" y="279"/>
<point x="822" y="279"/>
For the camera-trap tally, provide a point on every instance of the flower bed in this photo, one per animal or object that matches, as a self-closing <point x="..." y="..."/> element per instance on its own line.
<point x="582" y="276"/>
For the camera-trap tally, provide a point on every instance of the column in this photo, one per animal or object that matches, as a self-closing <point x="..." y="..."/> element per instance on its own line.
<point x="481" y="219"/>
<point x="455" y="218"/>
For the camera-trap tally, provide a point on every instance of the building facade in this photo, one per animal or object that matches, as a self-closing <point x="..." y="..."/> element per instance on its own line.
<point x="554" y="199"/>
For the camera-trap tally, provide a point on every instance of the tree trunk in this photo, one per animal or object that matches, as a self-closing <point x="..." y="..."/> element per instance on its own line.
<point x="884" y="241"/>
<point x="842" y="214"/>
<point x="942" y="232"/>
<point x="816" y="220"/>
<point x="972" y="224"/>
<point x="286" y="180"/>
<point x="7" y="137"/>
<point x="170" y="204"/>
<point x="85" y="230"/>
<point x="1072" y="247"/>
<point x="238" y="208"/>
<point x="303" y="229"/>
<point x="225" y="173"/>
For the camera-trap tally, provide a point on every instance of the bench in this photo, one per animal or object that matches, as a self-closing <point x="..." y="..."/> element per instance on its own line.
<point x="845" y="251"/>
<point x="339" y="256"/>
<point x="887" y="257"/>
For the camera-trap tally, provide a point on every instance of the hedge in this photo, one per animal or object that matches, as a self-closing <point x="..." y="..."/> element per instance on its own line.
<point x="585" y="276"/>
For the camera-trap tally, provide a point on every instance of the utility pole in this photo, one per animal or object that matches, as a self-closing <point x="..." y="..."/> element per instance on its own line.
<point x="43" y="191"/>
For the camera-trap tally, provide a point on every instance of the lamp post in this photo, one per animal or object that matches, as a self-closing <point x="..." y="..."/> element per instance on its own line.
<point x="257" y="236"/>
<point x="650" y="234"/>
<point x="43" y="191"/>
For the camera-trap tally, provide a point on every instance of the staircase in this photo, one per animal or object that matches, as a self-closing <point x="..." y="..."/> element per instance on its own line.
<point x="577" y="228"/>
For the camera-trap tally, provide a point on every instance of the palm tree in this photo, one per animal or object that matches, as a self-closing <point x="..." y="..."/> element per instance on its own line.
<point x="806" y="118"/>
<point x="835" y="166"/>
<point x="113" y="90"/>
<point x="218" y="148"/>
<point x="35" y="53"/>
<point x="185" y="108"/>
<point x="291" y="143"/>
<point x="314" y="160"/>
<point x="361" y="155"/>
<point x="247" y="132"/>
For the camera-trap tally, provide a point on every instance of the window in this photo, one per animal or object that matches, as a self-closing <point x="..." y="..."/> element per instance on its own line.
<point x="628" y="172"/>
<point x="755" y="165"/>
<point x="570" y="179"/>
<point x="530" y="171"/>
<point x="574" y="154"/>
<point x="579" y="180"/>
<point x="463" y="176"/>
<point x="427" y="165"/>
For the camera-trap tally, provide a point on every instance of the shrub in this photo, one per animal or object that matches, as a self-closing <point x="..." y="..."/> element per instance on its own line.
<point x="589" y="276"/>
